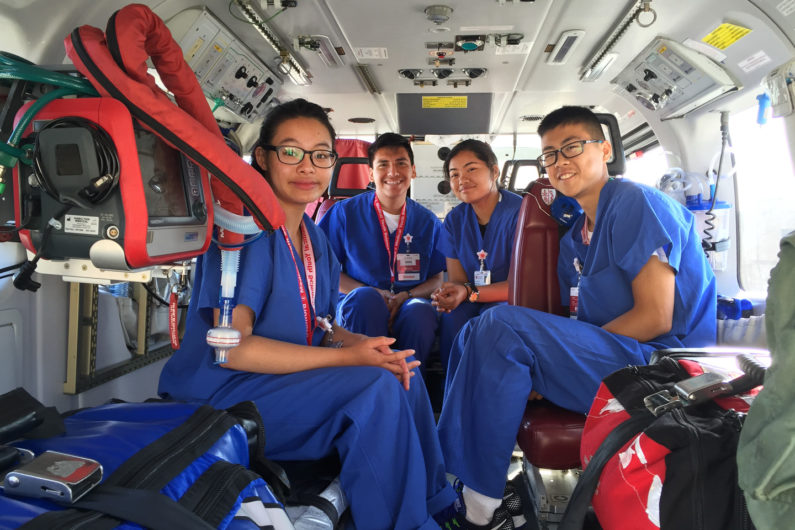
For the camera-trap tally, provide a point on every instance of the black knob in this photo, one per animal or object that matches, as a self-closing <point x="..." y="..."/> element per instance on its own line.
<point x="631" y="88"/>
<point x="252" y="81"/>
<point x="241" y="73"/>
<point x="199" y="211"/>
<point x="648" y="75"/>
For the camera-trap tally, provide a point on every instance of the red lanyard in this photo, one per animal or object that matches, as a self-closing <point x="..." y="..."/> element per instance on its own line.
<point x="307" y="303"/>
<point x="585" y="239"/>
<point x="391" y="257"/>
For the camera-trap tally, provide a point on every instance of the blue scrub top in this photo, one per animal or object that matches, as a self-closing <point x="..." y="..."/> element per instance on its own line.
<point x="632" y="222"/>
<point x="354" y="232"/>
<point x="267" y="283"/>
<point x="461" y="237"/>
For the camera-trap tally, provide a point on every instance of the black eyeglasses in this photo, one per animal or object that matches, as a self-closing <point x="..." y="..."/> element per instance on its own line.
<point x="568" y="151"/>
<point x="288" y="154"/>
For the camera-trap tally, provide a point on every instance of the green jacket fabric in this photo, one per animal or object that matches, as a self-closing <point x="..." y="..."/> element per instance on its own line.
<point x="766" y="452"/>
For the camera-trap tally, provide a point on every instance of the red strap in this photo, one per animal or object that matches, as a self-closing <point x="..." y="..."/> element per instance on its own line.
<point x="391" y="257"/>
<point x="173" y="328"/>
<point x="585" y="239"/>
<point x="307" y="302"/>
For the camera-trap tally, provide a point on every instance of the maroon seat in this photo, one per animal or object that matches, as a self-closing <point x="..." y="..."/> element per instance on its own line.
<point x="549" y="435"/>
<point x="350" y="177"/>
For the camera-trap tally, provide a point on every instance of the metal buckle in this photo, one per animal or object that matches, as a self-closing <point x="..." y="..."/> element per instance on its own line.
<point x="661" y="402"/>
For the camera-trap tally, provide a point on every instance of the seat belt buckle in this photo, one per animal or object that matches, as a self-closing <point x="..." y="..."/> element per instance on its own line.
<point x="57" y="477"/>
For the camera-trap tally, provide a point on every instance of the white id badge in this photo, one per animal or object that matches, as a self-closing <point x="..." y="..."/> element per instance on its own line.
<point x="574" y="300"/>
<point x="408" y="267"/>
<point x="482" y="278"/>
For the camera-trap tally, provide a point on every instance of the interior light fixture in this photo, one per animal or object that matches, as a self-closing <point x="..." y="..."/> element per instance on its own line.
<point x="566" y="44"/>
<point x="366" y="76"/>
<point x="294" y="70"/>
<point x="594" y="72"/>
<point x="296" y="75"/>
<point x="474" y="73"/>
<point x="322" y="46"/>
<point x="409" y="73"/>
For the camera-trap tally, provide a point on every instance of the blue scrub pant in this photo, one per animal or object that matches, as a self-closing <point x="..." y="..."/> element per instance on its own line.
<point x="364" y="311"/>
<point x="498" y="358"/>
<point x="392" y="472"/>
<point x="451" y="323"/>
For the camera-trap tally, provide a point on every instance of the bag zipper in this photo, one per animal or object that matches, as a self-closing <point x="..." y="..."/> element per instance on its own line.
<point x="695" y="459"/>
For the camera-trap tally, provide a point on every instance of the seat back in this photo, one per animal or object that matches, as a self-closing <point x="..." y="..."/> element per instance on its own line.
<point x="533" y="276"/>
<point x="351" y="176"/>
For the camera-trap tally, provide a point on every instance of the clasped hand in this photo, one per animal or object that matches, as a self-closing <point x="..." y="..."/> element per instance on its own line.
<point x="449" y="296"/>
<point x="376" y="351"/>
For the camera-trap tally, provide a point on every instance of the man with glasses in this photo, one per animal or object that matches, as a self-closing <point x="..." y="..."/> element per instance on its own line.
<point x="386" y="244"/>
<point x="635" y="262"/>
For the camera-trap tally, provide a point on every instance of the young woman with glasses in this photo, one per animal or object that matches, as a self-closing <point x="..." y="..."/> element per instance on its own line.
<point x="477" y="240"/>
<point x="319" y="388"/>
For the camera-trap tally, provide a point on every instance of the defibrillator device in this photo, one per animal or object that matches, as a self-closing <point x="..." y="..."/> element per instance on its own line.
<point x="103" y="188"/>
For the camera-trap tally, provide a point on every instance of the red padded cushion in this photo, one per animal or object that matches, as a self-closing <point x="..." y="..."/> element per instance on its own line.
<point x="550" y="436"/>
<point x="533" y="277"/>
<point x="352" y="176"/>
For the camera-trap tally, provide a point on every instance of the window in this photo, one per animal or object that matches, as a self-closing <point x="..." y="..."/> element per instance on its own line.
<point x="765" y="191"/>
<point x="647" y="168"/>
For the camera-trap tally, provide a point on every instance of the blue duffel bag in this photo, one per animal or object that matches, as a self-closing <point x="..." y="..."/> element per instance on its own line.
<point x="164" y="465"/>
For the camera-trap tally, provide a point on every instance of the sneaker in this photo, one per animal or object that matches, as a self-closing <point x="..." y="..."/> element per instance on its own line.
<point x="512" y="502"/>
<point x="450" y="518"/>
<point x="501" y="520"/>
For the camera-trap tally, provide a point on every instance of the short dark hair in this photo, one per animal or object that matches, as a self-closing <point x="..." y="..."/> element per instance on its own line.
<point x="481" y="150"/>
<point x="296" y="108"/>
<point x="571" y="115"/>
<point x="389" y="140"/>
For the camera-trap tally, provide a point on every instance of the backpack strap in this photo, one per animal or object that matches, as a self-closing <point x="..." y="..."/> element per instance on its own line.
<point x="23" y="415"/>
<point x="574" y="517"/>
<point x="123" y="504"/>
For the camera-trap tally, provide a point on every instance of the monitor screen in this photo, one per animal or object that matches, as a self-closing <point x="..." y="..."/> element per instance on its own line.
<point x="161" y="171"/>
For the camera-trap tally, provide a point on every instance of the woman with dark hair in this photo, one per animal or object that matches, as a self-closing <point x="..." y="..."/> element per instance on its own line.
<point x="319" y="390"/>
<point x="477" y="239"/>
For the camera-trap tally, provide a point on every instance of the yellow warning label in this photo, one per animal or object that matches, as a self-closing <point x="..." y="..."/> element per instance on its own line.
<point x="444" y="102"/>
<point x="725" y="35"/>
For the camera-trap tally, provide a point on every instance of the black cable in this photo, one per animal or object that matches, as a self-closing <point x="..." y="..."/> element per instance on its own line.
<point x="159" y="298"/>
<point x="752" y="367"/>
<point x="103" y="184"/>
<point x="12" y="267"/>
<point x="23" y="278"/>
<point x="709" y="216"/>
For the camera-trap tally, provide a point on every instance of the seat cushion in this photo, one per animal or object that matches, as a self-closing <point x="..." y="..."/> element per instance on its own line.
<point x="549" y="435"/>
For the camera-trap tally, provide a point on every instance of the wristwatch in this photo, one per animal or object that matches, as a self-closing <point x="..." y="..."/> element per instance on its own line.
<point x="474" y="294"/>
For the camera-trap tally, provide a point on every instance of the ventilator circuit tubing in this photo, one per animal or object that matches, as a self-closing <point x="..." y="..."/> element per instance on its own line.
<point x="224" y="337"/>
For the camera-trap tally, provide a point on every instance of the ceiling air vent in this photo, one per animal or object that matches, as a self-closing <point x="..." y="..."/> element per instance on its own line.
<point x="566" y="43"/>
<point x="531" y="117"/>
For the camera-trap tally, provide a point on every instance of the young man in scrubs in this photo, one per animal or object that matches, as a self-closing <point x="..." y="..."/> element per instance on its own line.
<point x="386" y="244"/>
<point x="644" y="284"/>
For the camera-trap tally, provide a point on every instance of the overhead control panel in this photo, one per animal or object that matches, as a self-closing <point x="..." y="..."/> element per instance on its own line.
<point x="673" y="79"/>
<point x="236" y="82"/>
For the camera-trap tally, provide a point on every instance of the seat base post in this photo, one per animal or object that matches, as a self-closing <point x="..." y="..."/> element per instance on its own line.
<point x="550" y="491"/>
